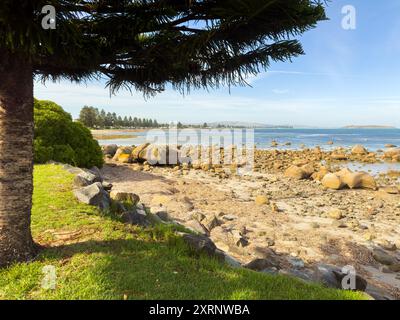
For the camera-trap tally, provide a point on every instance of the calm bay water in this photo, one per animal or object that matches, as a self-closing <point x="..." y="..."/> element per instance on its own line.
<point x="372" y="139"/>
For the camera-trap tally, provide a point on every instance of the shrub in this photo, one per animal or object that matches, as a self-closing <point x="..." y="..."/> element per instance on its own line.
<point x="59" y="138"/>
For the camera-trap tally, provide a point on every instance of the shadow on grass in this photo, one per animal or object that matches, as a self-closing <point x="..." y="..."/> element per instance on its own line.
<point x="138" y="269"/>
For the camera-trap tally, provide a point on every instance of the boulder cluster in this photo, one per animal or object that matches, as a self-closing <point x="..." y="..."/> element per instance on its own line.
<point x="91" y="188"/>
<point x="152" y="154"/>
<point x="344" y="178"/>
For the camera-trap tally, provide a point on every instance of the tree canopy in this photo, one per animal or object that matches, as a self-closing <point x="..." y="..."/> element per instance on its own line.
<point x="92" y="118"/>
<point x="146" y="44"/>
<point x="58" y="138"/>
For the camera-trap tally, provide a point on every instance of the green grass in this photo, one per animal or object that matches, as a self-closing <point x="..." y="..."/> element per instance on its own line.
<point x="97" y="257"/>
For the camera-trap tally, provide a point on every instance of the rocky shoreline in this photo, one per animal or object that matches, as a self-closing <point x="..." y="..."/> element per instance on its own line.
<point x="301" y="213"/>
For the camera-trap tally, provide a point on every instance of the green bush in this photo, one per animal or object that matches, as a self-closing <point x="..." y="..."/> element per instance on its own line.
<point x="59" y="138"/>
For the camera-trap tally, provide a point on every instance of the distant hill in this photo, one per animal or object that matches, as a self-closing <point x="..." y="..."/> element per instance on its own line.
<point x="240" y="124"/>
<point x="369" y="127"/>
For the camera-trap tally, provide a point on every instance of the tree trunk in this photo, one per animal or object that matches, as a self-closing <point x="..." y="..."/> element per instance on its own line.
<point x="16" y="158"/>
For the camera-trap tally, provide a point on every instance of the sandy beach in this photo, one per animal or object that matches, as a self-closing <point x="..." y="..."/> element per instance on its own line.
<point x="295" y="226"/>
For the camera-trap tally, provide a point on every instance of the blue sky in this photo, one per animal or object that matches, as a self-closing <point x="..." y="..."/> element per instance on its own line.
<point x="346" y="77"/>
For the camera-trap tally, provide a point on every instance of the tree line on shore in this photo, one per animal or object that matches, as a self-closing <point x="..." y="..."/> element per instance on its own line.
<point x="94" y="119"/>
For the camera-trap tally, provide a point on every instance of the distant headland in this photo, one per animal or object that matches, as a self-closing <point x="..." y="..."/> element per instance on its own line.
<point x="369" y="127"/>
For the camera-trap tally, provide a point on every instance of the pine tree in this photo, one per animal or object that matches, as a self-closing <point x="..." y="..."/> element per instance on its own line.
<point x="130" y="122"/>
<point x="143" y="45"/>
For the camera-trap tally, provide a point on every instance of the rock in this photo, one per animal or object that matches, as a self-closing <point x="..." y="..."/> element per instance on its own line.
<point x="330" y="143"/>
<point x="382" y="257"/>
<point x="96" y="171"/>
<point x="133" y="217"/>
<point x="211" y="222"/>
<point x="274" y="207"/>
<point x="296" y="263"/>
<point x="229" y="217"/>
<point x="139" y="152"/>
<point x="392" y="152"/>
<point x="359" y="150"/>
<point x="308" y="170"/>
<point x="296" y="173"/>
<point x="72" y="169"/>
<point x="390" y="190"/>
<point x="163" y="215"/>
<point x="123" y="155"/>
<point x="339" y="156"/>
<point x="395" y="267"/>
<point x="385" y="269"/>
<point x="197" y="227"/>
<point x="157" y="155"/>
<point x="161" y="212"/>
<point x="339" y="224"/>
<point x="332" y="181"/>
<point x="368" y="182"/>
<point x="200" y="243"/>
<point x="318" y="176"/>
<point x="352" y="179"/>
<point x="94" y="195"/>
<point x="315" y="225"/>
<point x="369" y="236"/>
<point x="261" y="264"/>
<point x="238" y="239"/>
<point x="390" y="146"/>
<point x="270" y="242"/>
<point x="107" y="185"/>
<point x="300" y="162"/>
<point x="335" y="214"/>
<point x="232" y="262"/>
<point x="125" y="197"/>
<point x="332" y="277"/>
<point x="110" y="150"/>
<point x="262" y="200"/>
<point x="84" y="179"/>
<point x="387" y="245"/>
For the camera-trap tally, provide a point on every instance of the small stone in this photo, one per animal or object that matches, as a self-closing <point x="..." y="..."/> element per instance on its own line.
<point x="260" y="264"/>
<point x="369" y="236"/>
<point x="125" y="197"/>
<point x="262" y="200"/>
<point x="229" y="217"/>
<point x="359" y="150"/>
<point x="383" y="257"/>
<point x="390" y="190"/>
<point x="211" y="222"/>
<point x="395" y="267"/>
<point x="385" y="269"/>
<point x="270" y="242"/>
<point x="274" y="207"/>
<point x="297" y="263"/>
<point x="335" y="214"/>
<point x="135" y="218"/>
<point x="387" y="245"/>
<point x="315" y="225"/>
<point x="295" y="172"/>
<point x="200" y="243"/>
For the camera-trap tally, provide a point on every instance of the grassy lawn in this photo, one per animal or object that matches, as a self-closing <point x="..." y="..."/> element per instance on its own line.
<point x="97" y="257"/>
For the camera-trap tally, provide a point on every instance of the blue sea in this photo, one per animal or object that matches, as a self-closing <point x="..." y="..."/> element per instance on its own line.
<point x="372" y="139"/>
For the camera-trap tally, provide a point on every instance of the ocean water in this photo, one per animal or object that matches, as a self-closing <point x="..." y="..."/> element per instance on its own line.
<point x="372" y="139"/>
